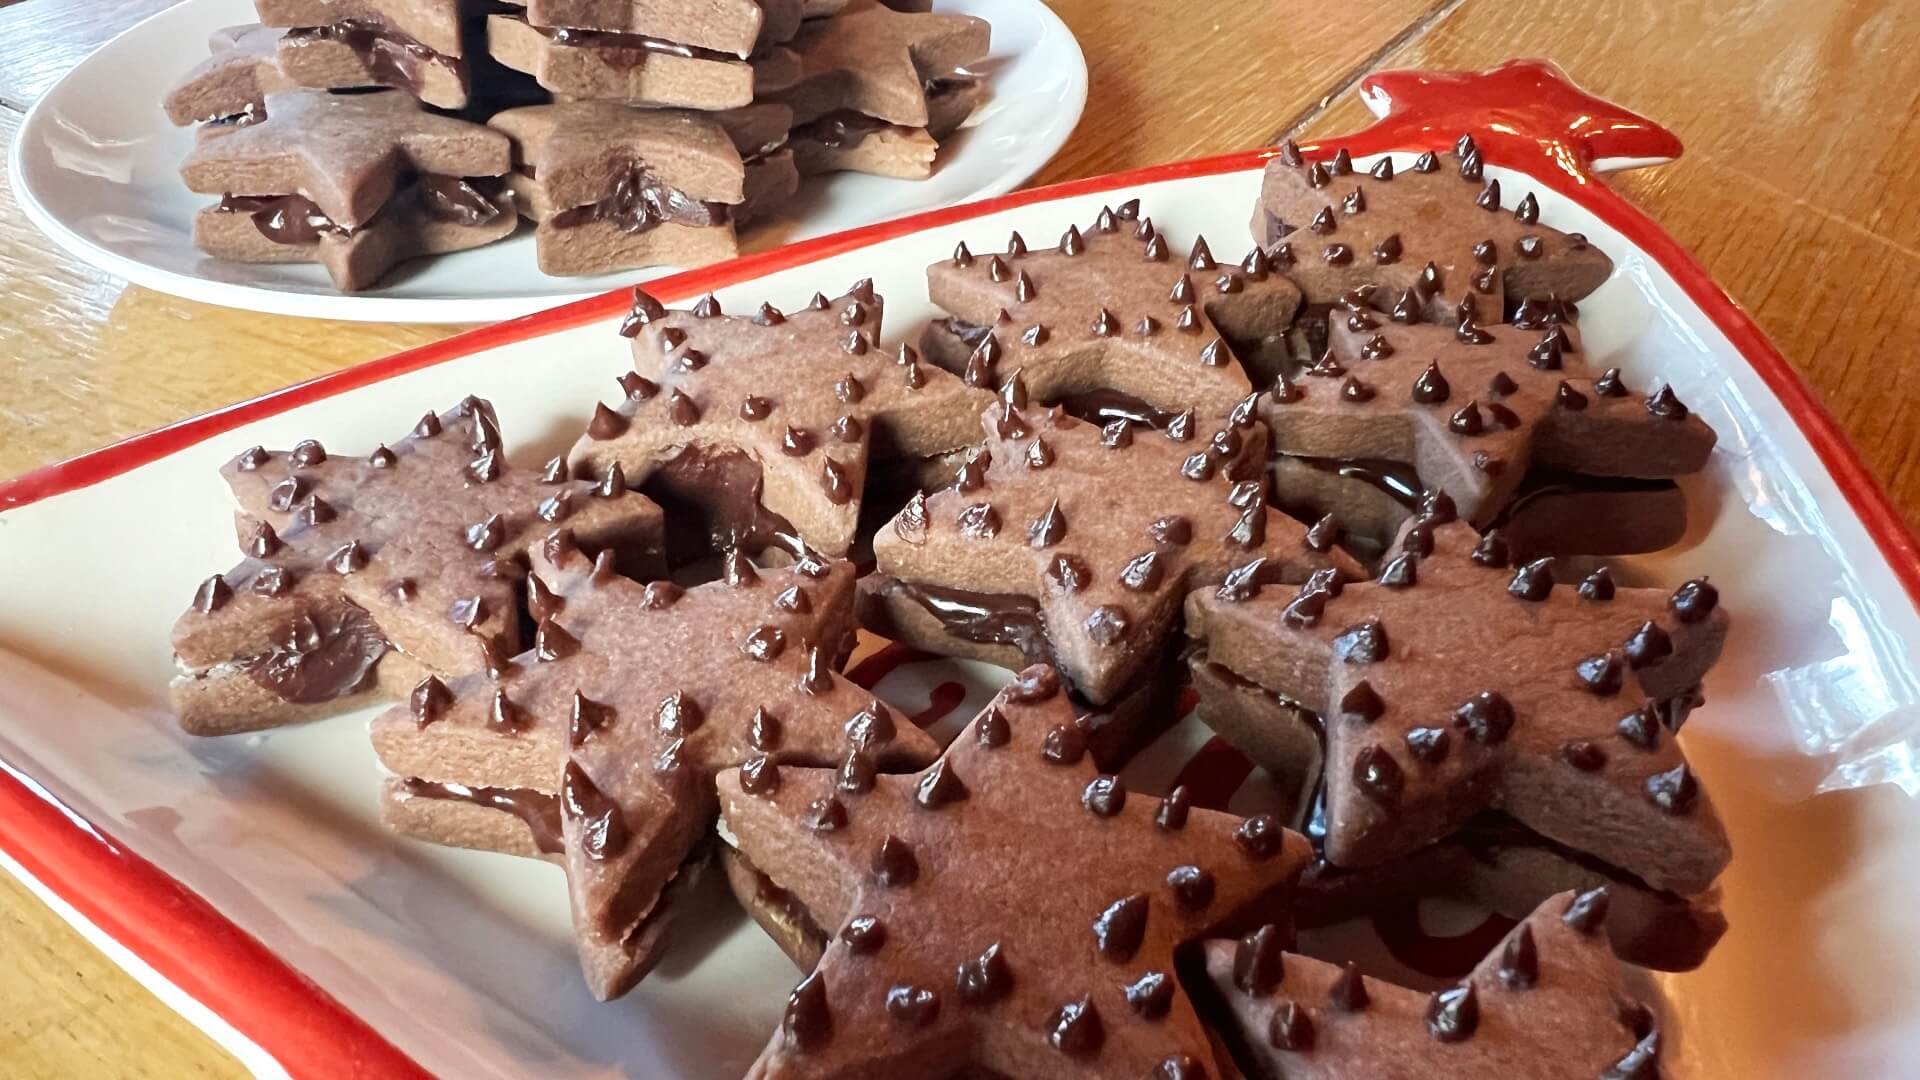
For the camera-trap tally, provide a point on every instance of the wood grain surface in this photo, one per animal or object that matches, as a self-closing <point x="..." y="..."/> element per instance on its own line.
<point x="1800" y="191"/>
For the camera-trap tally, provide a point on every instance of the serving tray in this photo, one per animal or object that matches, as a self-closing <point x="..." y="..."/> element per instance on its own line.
<point x="246" y="879"/>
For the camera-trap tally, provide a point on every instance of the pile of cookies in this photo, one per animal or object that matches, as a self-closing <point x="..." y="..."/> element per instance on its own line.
<point x="1348" y="490"/>
<point x="631" y="133"/>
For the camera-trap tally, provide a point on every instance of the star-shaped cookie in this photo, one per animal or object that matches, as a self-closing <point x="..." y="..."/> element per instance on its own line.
<point x="347" y="153"/>
<point x="632" y="697"/>
<point x="1425" y="234"/>
<point x="1472" y="408"/>
<point x="410" y="555"/>
<point x="877" y="61"/>
<point x="1098" y="531"/>
<point x="1112" y="312"/>
<point x="1009" y="908"/>
<point x="1456" y="684"/>
<point x="1549" y="1003"/>
<point x="729" y="26"/>
<point x="806" y="398"/>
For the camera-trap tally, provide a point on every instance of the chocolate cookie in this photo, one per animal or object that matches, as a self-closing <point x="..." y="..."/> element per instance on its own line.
<point x="355" y="182"/>
<point x="231" y="85"/>
<point x="613" y="187"/>
<point x="1499" y="417"/>
<point x="1456" y="684"/>
<point x="634" y="68"/>
<point x="1108" y="323"/>
<point x="1425" y="236"/>
<point x="1071" y="544"/>
<point x="631" y="698"/>
<point x="1549" y="1003"/>
<point x="1008" y="908"/>
<point x="417" y="46"/>
<point x="768" y="421"/>
<point x="878" y="88"/>
<point x="409" y="557"/>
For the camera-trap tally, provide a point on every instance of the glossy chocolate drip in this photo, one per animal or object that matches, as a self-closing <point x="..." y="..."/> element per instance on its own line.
<point x="1396" y="479"/>
<point x="392" y="58"/>
<point x="629" y="50"/>
<point x="1541" y="483"/>
<point x="539" y="809"/>
<point x="842" y="127"/>
<point x="984" y="618"/>
<point x="319" y="656"/>
<point x="296" y="219"/>
<point x="722" y="487"/>
<point x="460" y="200"/>
<point x="1105" y="406"/>
<point x="639" y="201"/>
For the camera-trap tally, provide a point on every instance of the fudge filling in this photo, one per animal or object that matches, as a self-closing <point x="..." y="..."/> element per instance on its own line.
<point x="983" y="618"/>
<point x="392" y="58"/>
<point x="842" y="127"/>
<point x="1398" y="481"/>
<point x="626" y="49"/>
<point x="540" y="810"/>
<point x="640" y="201"/>
<point x="296" y="219"/>
<point x="319" y="656"/>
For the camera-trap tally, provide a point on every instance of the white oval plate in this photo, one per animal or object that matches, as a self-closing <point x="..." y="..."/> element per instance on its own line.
<point x="96" y="167"/>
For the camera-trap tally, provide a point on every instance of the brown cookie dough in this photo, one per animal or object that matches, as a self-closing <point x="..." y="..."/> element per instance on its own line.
<point x="1474" y="410"/>
<point x="1057" y="896"/>
<point x="634" y="68"/>
<point x="629" y="701"/>
<point x="1456" y="684"/>
<point x="738" y="27"/>
<point x="355" y="182"/>
<point x="409" y="557"/>
<point x="768" y="421"/>
<point x="613" y="187"/>
<point x="1109" y="322"/>
<point x="1550" y="1003"/>
<point x="1076" y="542"/>
<point x="1426" y="237"/>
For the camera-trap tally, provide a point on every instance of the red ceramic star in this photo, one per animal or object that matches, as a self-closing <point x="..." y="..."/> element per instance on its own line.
<point x="1519" y="108"/>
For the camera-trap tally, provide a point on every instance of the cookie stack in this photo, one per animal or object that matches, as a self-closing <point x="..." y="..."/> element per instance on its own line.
<point x="660" y="129"/>
<point x="624" y="660"/>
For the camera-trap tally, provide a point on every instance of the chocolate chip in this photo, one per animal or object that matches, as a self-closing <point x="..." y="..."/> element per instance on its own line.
<point x="1601" y="674"/>
<point x="894" y="864"/>
<point x="1519" y="959"/>
<point x="1598" y="586"/>
<point x="1349" y="992"/>
<point x="1069" y="572"/>
<point x="979" y="521"/>
<point x="1583" y="755"/>
<point x="1034" y="683"/>
<point x="1648" y="645"/>
<point x="807" y="1024"/>
<point x="1259" y="962"/>
<point x="1064" y="744"/>
<point x="1454" y="1013"/>
<point x="1192" y="887"/>
<point x="1587" y="911"/>
<point x="856" y="775"/>
<point x="429" y="699"/>
<point x="913" y="1006"/>
<point x="939" y="786"/>
<point x="1119" y="930"/>
<point x="1641" y="727"/>
<point x="1143" y="572"/>
<point x="1260" y="836"/>
<point x="602" y="828"/>
<point x="1150" y="995"/>
<point x="984" y="978"/>
<point x="1104" y="796"/>
<point x="992" y="730"/>
<point x="1673" y="791"/>
<point x="1428" y="744"/>
<point x="826" y="814"/>
<point x="1486" y="717"/>
<point x="1290" y="1029"/>
<point x="1365" y="643"/>
<point x="1694" y="600"/>
<point x="1173" y="529"/>
<point x="1074" y="1029"/>
<point x="1533" y="581"/>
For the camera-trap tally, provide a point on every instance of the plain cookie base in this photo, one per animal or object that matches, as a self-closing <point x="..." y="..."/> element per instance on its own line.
<point x="226" y="701"/>
<point x="899" y="152"/>
<point x="1589" y="522"/>
<point x="601" y="72"/>
<point x="1652" y="929"/>
<point x="400" y="231"/>
<point x="767" y="904"/>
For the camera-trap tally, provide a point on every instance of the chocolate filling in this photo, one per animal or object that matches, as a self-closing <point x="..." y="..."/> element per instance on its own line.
<point x="718" y="490"/>
<point x="984" y="618"/>
<point x="296" y="219"/>
<point x="783" y="906"/>
<point x="842" y="127"/>
<point x="640" y="201"/>
<point x="1482" y="835"/>
<point x="970" y="334"/>
<point x="392" y="58"/>
<point x="319" y="656"/>
<point x="1398" y="481"/>
<point x="540" y="810"/>
<point x="627" y="50"/>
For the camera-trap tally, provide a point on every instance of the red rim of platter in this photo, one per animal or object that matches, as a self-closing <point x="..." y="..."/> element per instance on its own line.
<point x="1525" y="114"/>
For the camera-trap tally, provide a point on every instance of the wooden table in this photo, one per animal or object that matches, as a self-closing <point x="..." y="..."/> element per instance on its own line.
<point x="1799" y="189"/>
